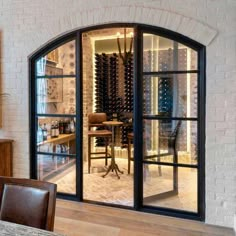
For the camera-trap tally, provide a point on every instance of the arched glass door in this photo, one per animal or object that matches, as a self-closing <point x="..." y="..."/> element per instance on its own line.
<point x="148" y="81"/>
<point x="107" y="88"/>
<point x="54" y="121"/>
<point x="170" y="124"/>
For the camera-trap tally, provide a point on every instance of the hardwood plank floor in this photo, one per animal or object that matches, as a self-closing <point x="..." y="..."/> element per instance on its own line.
<point x="73" y="218"/>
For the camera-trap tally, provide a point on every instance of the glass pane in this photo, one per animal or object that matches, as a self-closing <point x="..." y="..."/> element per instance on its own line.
<point x="60" y="61"/>
<point x="55" y="86"/>
<point x="162" y="54"/>
<point x="56" y="135"/>
<point x="170" y="95"/>
<point x="107" y="88"/>
<point x="170" y="141"/>
<point x="59" y="170"/>
<point x="56" y="95"/>
<point x="170" y="187"/>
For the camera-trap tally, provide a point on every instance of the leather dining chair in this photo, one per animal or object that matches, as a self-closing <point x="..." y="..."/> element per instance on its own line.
<point x="95" y="121"/>
<point x="28" y="202"/>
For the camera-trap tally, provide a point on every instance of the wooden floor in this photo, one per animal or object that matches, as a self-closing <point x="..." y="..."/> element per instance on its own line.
<point x="74" y="218"/>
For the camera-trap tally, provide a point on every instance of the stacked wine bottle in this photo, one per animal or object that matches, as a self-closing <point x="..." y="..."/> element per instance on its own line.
<point x="113" y="82"/>
<point x="147" y="83"/>
<point x="105" y="78"/>
<point x="128" y="99"/>
<point x="113" y="95"/>
<point x="165" y="97"/>
<point x="128" y="86"/>
<point x="101" y="80"/>
<point x="147" y="88"/>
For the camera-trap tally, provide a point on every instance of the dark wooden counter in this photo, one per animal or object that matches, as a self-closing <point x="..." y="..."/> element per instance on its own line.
<point x="6" y="157"/>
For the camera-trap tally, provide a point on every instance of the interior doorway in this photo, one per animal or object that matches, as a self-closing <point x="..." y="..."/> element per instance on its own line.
<point x="107" y="88"/>
<point x="118" y="118"/>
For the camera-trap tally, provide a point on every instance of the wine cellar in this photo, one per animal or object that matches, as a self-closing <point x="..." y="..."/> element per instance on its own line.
<point x="113" y="87"/>
<point x="169" y="107"/>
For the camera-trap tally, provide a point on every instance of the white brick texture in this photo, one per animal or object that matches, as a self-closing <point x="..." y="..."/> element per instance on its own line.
<point x="26" y="25"/>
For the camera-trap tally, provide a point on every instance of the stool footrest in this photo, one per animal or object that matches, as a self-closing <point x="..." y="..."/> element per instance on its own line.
<point x="102" y="157"/>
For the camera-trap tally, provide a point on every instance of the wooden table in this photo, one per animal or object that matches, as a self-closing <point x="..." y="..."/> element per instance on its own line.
<point x="6" y="157"/>
<point x="12" y="229"/>
<point x="62" y="138"/>
<point x="113" y="165"/>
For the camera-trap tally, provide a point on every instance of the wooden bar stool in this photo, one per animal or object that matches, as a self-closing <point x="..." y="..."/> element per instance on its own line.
<point x="95" y="121"/>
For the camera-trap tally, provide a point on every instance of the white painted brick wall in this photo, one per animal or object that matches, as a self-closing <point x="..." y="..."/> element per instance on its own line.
<point x="26" y="25"/>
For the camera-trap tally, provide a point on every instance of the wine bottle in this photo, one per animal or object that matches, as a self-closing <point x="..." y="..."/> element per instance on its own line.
<point x="45" y="132"/>
<point x="67" y="127"/>
<point x="56" y="129"/>
<point x="72" y="126"/>
<point x="61" y="127"/>
<point x="53" y="131"/>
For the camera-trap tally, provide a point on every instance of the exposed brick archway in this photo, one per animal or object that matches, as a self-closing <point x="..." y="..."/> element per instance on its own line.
<point x="181" y="24"/>
<point x="59" y="26"/>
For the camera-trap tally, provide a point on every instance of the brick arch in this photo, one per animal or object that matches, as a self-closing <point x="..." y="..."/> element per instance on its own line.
<point x="157" y="17"/>
<point x="186" y="26"/>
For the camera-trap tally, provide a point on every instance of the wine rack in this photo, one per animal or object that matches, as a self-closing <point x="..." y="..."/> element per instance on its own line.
<point x="101" y="81"/>
<point x="128" y="100"/>
<point x="114" y="89"/>
<point x="128" y="86"/>
<point x="147" y="82"/>
<point x="113" y="82"/>
<point x="165" y="97"/>
<point x="165" y="86"/>
<point x="98" y="83"/>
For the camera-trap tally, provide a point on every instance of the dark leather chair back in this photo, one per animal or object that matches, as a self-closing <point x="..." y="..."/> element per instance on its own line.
<point x="96" y="129"/>
<point x="28" y="202"/>
<point x="96" y="119"/>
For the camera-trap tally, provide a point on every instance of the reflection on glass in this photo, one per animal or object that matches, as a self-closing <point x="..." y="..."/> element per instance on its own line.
<point x="56" y="143"/>
<point x="157" y="180"/>
<point x="170" y="141"/>
<point x="59" y="170"/>
<point x="170" y="95"/>
<point x="108" y="87"/>
<point x="162" y="54"/>
<point x="55" y="81"/>
<point x="60" y="61"/>
<point x="56" y="95"/>
<point x="170" y="187"/>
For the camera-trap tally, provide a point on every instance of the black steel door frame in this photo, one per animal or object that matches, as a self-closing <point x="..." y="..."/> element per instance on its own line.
<point x="138" y="114"/>
<point x="201" y="72"/>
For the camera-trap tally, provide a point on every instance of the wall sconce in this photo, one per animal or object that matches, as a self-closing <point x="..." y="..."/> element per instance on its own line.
<point x="126" y="55"/>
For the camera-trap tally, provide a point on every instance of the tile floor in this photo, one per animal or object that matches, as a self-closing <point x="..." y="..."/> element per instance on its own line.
<point x="120" y="191"/>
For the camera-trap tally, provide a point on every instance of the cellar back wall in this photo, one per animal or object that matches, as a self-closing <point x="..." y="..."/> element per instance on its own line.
<point x="27" y="25"/>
